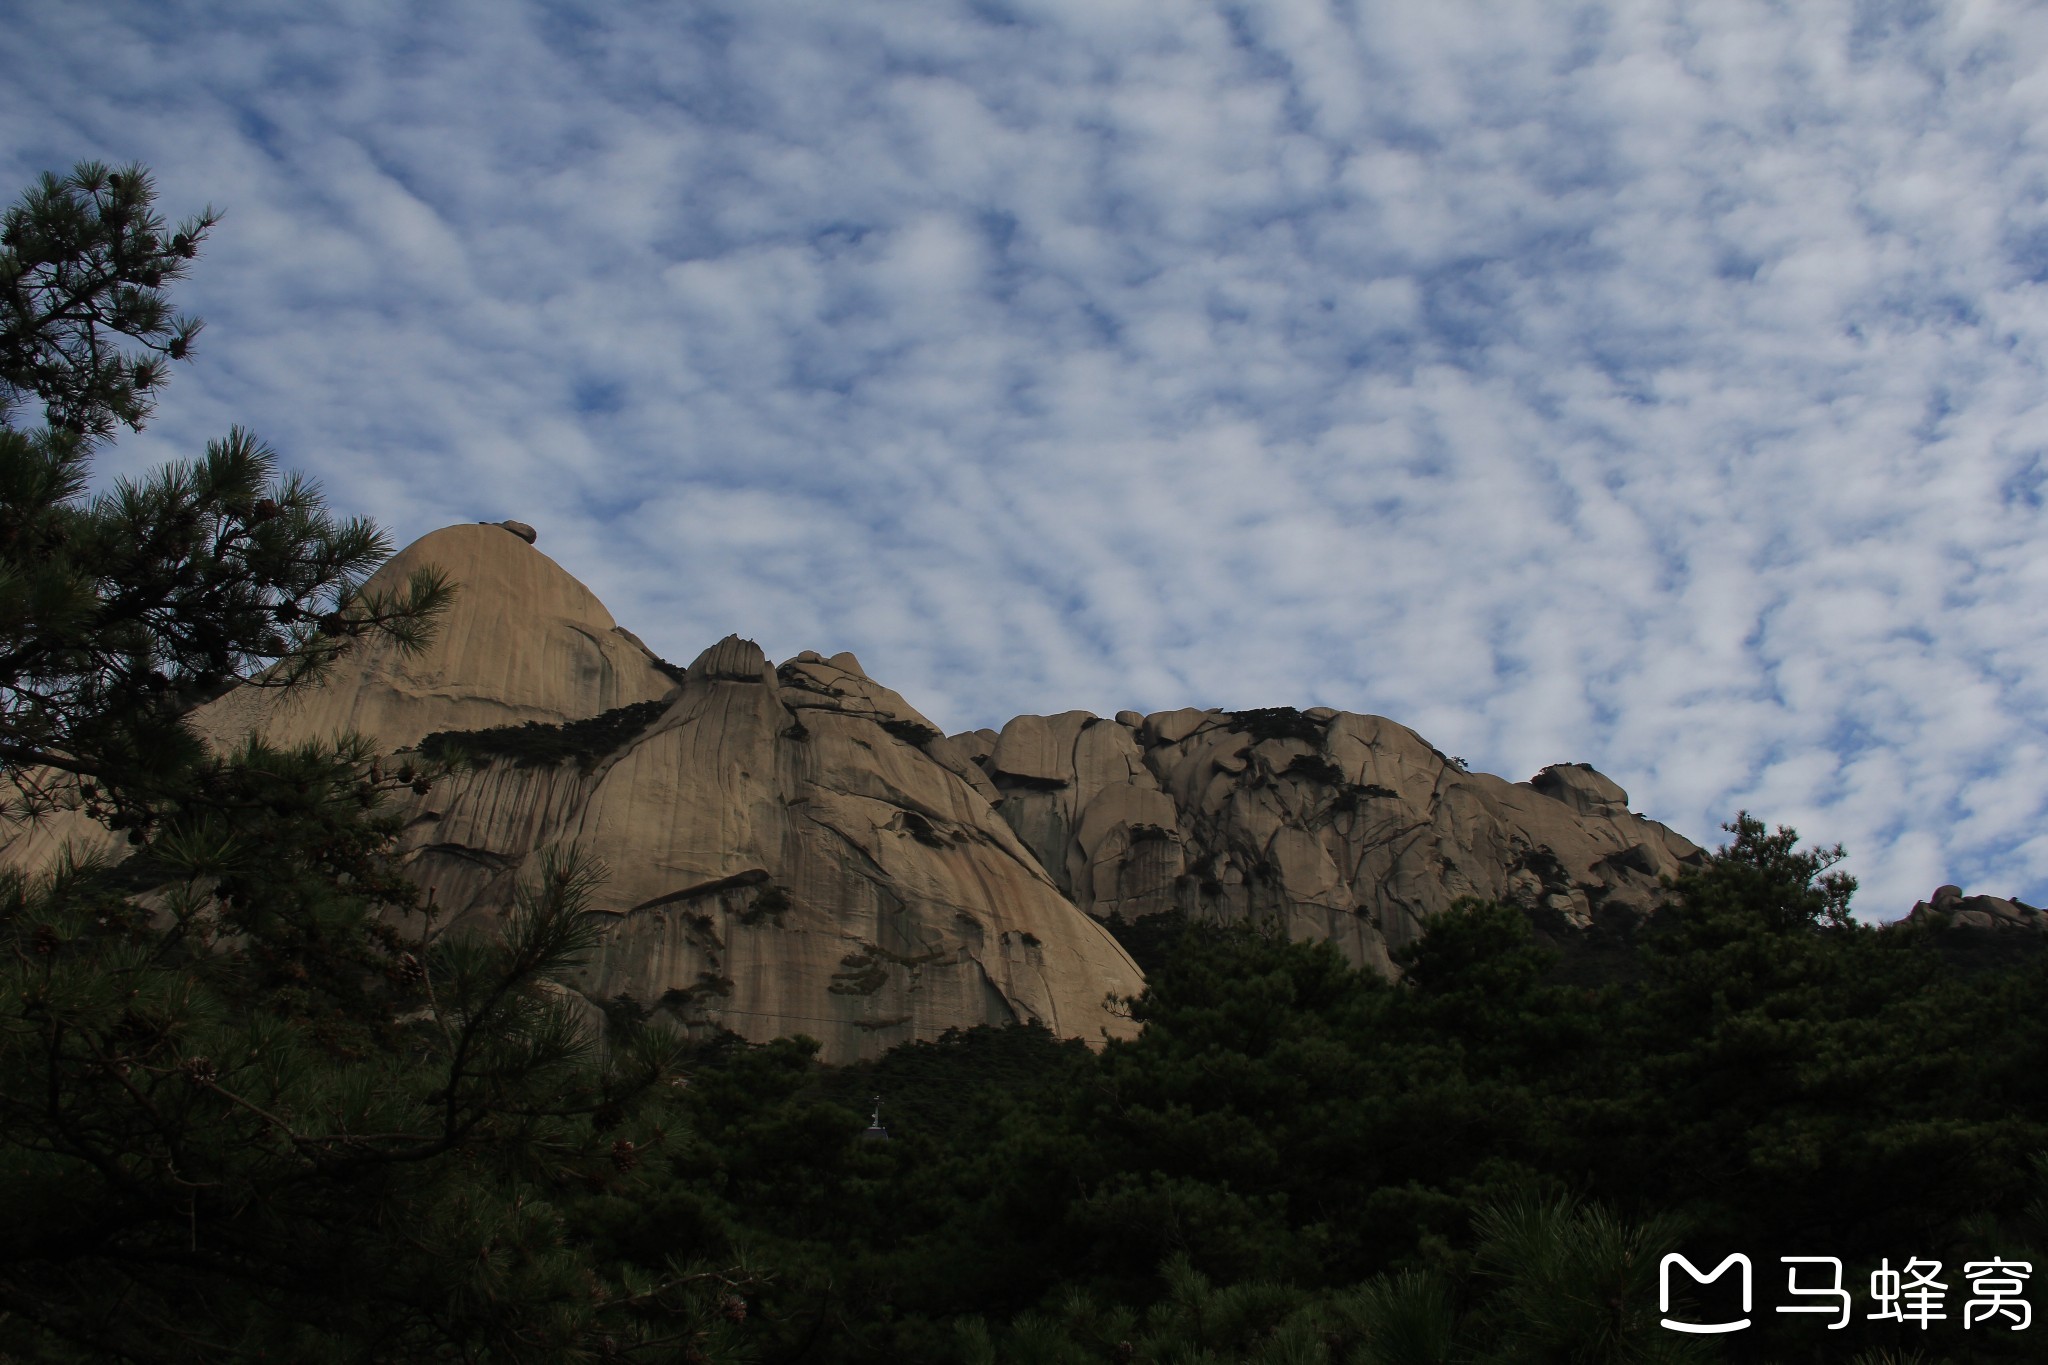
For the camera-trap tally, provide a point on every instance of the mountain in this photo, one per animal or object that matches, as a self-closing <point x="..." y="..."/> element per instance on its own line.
<point x="784" y="855"/>
<point x="796" y="849"/>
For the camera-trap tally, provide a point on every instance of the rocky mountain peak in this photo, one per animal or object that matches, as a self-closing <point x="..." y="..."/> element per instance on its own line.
<point x="797" y="849"/>
<point x="522" y="641"/>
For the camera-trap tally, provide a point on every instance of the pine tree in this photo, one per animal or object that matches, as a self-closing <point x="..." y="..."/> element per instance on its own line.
<point x="119" y="613"/>
<point x="251" y="1105"/>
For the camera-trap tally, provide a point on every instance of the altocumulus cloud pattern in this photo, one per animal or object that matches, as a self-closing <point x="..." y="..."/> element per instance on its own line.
<point x="1655" y="385"/>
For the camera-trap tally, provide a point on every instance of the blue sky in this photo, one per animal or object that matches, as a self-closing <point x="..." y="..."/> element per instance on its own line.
<point x="1653" y="385"/>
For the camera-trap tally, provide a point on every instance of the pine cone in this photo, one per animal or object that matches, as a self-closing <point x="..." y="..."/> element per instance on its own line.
<point x="45" y="939"/>
<point x="201" y="1071"/>
<point x="734" y="1309"/>
<point x="623" y="1155"/>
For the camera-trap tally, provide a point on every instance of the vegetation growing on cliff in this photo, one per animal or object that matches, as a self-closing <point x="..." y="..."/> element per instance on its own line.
<point x="537" y="744"/>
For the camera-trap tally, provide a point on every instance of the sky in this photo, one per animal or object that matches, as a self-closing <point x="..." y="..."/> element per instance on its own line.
<point x="1652" y="385"/>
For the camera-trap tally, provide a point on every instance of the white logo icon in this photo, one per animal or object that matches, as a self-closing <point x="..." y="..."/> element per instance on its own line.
<point x="1664" y="1292"/>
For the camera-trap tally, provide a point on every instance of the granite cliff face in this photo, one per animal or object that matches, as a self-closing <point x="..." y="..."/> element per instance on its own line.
<point x="785" y="858"/>
<point x="784" y="855"/>
<point x="797" y="850"/>
<point x="524" y="641"/>
<point x="1342" y="827"/>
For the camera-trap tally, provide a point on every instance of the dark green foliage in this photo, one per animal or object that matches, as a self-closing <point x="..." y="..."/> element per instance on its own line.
<point x="1764" y="881"/>
<point x="771" y="904"/>
<point x="1968" y="950"/>
<point x="1481" y="1163"/>
<point x="1276" y="722"/>
<point x="1555" y="1282"/>
<point x="83" y="260"/>
<point x="118" y="614"/>
<point x="1315" y="768"/>
<point x="1350" y="799"/>
<point x="940" y="1088"/>
<point x="1564" y="1283"/>
<point x="539" y="745"/>
<point x="1840" y="1076"/>
<point x="1017" y="782"/>
<point x="679" y="998"/>
<point x="1149" y="939"/>
<point x="623" y="1013"/>
<point x="859" y="974"/>
<point x="911" y="732"/>
<point x="261" y="1148"/>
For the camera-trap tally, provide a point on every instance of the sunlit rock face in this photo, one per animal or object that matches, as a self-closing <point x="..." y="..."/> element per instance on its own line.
<point x="1336" y="826"/>
<point x="792" y="851"/>
<point x="785" y="858"/>
<point x="523" y="641"/>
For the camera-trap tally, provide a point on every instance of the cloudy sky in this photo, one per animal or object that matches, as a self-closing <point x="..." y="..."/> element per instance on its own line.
<point x="1656" y="385"/>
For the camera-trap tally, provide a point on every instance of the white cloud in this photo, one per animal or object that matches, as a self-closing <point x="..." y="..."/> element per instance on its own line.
<point x="1651" y="385"/>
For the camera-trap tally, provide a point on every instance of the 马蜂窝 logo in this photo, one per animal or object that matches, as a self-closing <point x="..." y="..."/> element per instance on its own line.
<point x="1912" y="1294"/>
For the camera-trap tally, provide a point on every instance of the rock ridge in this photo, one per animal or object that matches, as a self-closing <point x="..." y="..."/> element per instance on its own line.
<point x="795" y="848"/>
<point x="1343" y="827"/>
